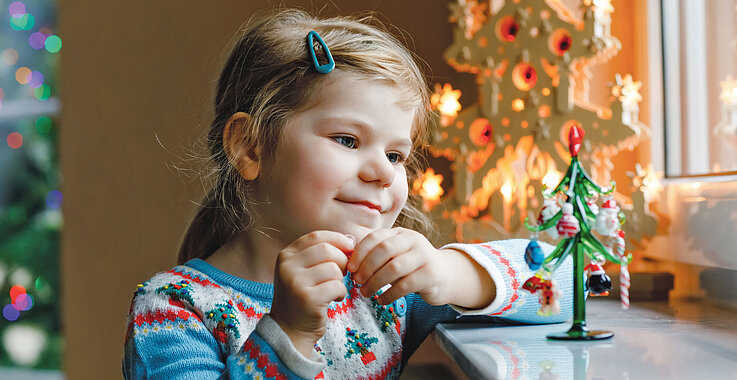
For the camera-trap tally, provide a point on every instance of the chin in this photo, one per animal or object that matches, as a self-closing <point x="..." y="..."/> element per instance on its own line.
<point x="358" y="232"/>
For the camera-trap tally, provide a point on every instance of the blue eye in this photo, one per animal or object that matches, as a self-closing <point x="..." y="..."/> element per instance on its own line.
<point x="346" y="141"/>
<point x="395" y="158"/>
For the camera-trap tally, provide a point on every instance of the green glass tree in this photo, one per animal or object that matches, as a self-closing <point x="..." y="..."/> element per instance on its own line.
<point x="574" y="223"/>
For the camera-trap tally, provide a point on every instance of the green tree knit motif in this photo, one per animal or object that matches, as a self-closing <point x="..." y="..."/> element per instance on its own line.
<point x="224" y="315"/>
<point x="384" y="313"/>
<point x="359" y="343"/>
<point x="179" y="291"/>
<point x="140" y="289"/>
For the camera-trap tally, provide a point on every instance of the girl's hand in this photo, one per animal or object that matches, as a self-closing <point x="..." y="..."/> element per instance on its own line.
<point x="308" y="276"/>
<point x="405" y="259"/>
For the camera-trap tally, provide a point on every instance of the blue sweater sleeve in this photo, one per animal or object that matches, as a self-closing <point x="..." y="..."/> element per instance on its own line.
<point x="167" y="339"/>
<point x="169" y="353"/>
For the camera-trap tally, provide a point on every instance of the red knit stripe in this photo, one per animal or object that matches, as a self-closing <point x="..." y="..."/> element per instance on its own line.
<point x="340" y="308"/>
<point x="512" y="273"/>
<point x="263" y="361"/>
<point x="161" y="316"/>
<point x="393" y="361"/>
<point x="201" y="281"/>
<point x="250" y="312"/>
<point x="345" y="305"/>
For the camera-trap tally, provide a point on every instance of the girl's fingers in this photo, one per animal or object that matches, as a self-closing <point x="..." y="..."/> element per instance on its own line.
<point x="320" y="253"/>
<point x="321" y="273"/>
<point x="399" y="267"/>
<point x="381" y="254"/>
<point x="367" y="245"/>
<point x="343" y="242"/>
<point x="333" y="290"/>
<point x="412" y="283"/>
<point x="303" y="285"/>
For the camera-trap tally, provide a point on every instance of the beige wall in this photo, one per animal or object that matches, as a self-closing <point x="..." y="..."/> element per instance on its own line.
<point x="134" y="70"/>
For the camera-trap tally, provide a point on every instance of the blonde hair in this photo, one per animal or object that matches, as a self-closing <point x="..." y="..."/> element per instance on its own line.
<point x="270" y="76"/>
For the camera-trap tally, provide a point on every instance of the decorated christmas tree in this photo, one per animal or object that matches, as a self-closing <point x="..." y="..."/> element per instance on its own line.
<point x="575" y="223"/>
<point x="531" y="60"/>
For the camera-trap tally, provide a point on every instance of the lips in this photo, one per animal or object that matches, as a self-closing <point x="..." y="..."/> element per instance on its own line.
<point x="364" y="203"/>
<point x="369" y="205"/>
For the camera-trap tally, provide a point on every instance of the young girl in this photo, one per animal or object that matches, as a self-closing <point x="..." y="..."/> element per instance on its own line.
<point x="302" y="261"/>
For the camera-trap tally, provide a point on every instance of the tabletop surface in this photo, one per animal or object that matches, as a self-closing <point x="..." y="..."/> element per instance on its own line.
<point x="651" y="341"/>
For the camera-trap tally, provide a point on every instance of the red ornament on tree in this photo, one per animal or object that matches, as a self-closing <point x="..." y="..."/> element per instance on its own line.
<point x="575" y="137"/>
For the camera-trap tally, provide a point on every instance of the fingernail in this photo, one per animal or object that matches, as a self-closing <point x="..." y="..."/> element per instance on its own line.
<point x="352" y="238"/>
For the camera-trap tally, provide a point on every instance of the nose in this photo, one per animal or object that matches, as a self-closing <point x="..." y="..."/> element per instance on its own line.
<point x="377" y="169"/>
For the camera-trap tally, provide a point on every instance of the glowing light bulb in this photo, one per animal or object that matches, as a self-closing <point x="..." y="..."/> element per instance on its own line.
<point x="551" y="179"/>
<point x="428" y="187"/>
<point x="506" y="191"/>
<point x="445" y="99"/>
<point x="518" y="105"/>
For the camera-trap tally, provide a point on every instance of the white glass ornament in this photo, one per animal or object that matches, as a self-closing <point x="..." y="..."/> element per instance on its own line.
<point x="549" y="210"/>
<point x="607" y="220"/>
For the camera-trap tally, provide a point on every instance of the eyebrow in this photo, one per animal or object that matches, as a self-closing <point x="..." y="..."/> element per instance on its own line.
<point x="365" y="128"/>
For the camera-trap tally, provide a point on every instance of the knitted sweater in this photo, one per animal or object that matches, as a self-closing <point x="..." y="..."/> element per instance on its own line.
<point x="197" y="322"/>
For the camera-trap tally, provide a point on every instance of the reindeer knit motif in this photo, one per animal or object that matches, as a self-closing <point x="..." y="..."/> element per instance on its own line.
<point x="197" y="322"/>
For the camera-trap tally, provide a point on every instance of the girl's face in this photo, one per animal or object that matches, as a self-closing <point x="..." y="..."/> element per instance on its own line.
<point x="340" y="165"/>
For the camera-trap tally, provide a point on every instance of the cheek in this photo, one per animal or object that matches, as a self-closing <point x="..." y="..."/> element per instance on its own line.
<point x="399" y="191"/>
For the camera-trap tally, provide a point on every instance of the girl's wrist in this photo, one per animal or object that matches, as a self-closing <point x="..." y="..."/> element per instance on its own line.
<point x="305" y="345"/>
<point x="452" y="258"/>
<point x="472" y="287"/>
<point x="303" y="342"/>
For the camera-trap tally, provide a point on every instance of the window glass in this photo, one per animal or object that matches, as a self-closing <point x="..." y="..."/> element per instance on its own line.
<point x="700" y="80"/>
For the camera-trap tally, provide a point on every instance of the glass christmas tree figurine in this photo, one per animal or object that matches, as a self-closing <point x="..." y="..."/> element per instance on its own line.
<point x="574" y="221"/>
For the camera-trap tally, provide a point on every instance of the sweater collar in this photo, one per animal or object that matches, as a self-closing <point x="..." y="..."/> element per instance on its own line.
<point x="255" y="289"/>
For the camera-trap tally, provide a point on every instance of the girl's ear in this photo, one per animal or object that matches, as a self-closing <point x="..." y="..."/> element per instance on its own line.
<point x="241" y="150"/>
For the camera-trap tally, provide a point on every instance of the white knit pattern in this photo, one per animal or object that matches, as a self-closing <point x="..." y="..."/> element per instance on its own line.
<point x="360" y="317"/>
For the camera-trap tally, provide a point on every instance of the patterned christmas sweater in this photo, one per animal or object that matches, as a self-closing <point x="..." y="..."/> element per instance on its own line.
<point x="197" y="322"/>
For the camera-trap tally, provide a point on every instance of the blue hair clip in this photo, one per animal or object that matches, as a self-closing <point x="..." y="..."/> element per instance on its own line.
<point x="322" y="69"/>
